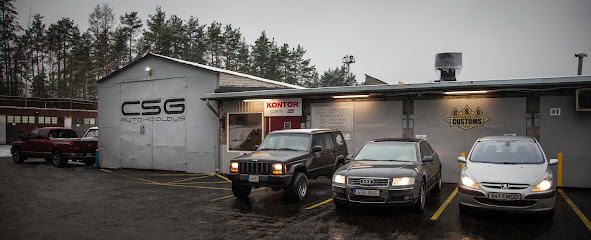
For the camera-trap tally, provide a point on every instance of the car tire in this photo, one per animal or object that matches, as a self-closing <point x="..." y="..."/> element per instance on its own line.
<point x="437" y="187"/>
<point x="89" y="162"/>
<point x="299" y="187"/>
<point x="548" y="214"/>
<point x="58" y="159"/>
<point x="17" y="156"/>
<point x="241" y="192"/>
<point x="340" y="205"/>
<point x="421" y="199"/>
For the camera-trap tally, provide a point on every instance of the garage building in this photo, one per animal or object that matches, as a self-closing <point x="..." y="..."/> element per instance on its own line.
<point x="151" y="117"/>
<point x="449" y="115"/>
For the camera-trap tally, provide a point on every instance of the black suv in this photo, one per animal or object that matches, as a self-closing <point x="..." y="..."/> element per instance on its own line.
<point x="286" y="159"/>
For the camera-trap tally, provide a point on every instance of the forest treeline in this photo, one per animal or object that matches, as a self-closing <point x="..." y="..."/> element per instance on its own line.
<point x="60" y="60"/>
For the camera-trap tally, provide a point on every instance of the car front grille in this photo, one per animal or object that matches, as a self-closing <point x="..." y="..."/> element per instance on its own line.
<point x="366" y="199"/>
<point x="518" y="203"/>
<point x="367" y="181"/>
<point x="254" y="168"/>
<point x="505" y="185"/>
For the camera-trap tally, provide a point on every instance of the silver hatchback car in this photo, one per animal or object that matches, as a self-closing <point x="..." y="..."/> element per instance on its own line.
<point x="507" y="173"/>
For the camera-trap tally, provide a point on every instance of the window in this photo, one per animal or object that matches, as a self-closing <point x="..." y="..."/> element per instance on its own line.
<point x="317" y="140"/>
<point x="425" y="151"/>
<point x="328" y="143"/>
<point x="287" y="125"/>
<point x="63" y="133"/>
<point x="33" y="134"/>
<point x="244" y="131"/>
<point x="92" y="121"/>
<point x="9" y="119"/>
<point x="53" y="120"/>
<point x="25" y="119"/>
<point x="41" y="134"/>
<point x="41" y="120"/>
<point x="17" y="119"/>
<point x="47" y="120"/>
<point x="31" y="119"/>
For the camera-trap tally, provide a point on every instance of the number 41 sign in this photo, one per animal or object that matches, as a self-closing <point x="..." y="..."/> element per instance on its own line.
<point x="554" y="111"/>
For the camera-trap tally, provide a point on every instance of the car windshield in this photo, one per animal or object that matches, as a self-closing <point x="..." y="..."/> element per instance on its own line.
<point x="507" y="152"/>
<point x="293" y="142"/>
<point x="387" y="151"/>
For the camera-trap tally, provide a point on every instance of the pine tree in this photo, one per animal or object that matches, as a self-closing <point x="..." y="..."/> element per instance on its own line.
<point x="36" y="33"/>
<point x="195" y="46"/>
<point x="261" y="55"/>
<point x="101" y="22"/>
<point x="215" y="40"/>
<point x="131" y="26"/>
<point x="8" y="33"/>
<point x="156" y="37"/>
<point x="244" y="59"/>
<point x="176" y="36"/>
<point x="334" y="78"/>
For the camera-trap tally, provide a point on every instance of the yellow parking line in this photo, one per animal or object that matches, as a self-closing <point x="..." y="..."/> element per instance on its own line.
<point x="105" y="170"/>
<point x="444" y="205"/>
<point x="177" y="175"/>
<point x="189" y="183"/>
<point x="319" y="204"/>
<point x="189" y="179"/>
<point x="229" y="196"/>
<point x="225" y="178"/>
<point x="576" y="209"/>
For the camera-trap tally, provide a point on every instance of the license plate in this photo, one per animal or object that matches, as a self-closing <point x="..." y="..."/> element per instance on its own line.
<point x="504" y="196"/>
<point x="365" y="192"/>
<point x="253" y="178"/>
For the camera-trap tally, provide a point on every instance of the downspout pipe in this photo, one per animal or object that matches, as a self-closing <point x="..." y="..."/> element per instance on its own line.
<point x="217" y="143"/>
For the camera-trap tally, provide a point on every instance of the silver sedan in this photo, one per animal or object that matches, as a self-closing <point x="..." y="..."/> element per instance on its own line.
<point x="507" y="173"/>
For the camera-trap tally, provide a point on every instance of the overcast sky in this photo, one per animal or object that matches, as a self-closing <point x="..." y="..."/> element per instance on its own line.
<point x="391" y="40"/>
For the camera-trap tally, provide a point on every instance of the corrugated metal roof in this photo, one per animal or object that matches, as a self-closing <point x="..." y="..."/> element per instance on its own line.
<point x="515" y="84"/>
<point x="210" y="68"/>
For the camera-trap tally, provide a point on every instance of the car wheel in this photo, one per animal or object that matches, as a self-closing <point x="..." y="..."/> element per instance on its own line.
<point x="437" y="187"/>
<point x="89" y="162"/>
<point x="48" y="160"/>
<point x="17" y="157"/>
<point x="420" y="203"/>
<point x="299" y="187"/>
<point x="241" y="192"/>
<point x="340" y="204"/>
<point x="58" y="159"/>
<point x="548" y="214"/>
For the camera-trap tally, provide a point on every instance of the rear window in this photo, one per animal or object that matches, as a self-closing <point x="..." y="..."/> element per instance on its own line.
<point x="63" y="133"/>
<point x="508" y="152"/>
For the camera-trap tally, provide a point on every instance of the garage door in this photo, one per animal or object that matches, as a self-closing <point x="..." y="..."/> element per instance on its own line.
<point x="452" y="126"/>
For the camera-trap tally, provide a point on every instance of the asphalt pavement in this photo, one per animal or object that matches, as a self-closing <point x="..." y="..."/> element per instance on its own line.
<point x="40" y="201"/>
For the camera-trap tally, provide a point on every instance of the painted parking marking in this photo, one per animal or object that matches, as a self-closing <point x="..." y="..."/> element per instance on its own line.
<point x="444" y="205"/>
<point x="576" y="209"/>
<point x="177" y="175"/>
<point x="319" y="204"/>
<point x="146" y="181"/>
<point x="189" y="179"/>
<point x="105" y="170"/>
<point x="222" y="177"/>
<point x="229" y="196"/>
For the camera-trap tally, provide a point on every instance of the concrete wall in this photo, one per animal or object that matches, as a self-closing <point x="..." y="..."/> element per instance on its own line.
<point x="153" y="142"/>
<point x="371" y="120"/>
<point x="570" y="134"/>
<point x="507" y="115"/>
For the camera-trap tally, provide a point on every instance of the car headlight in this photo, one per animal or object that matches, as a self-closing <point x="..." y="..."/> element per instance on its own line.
<point x="338" y="179"/>
<point x="277" y="168"/>
<point x="468" y="182"/>
<point x="234" y="167"/>
<point x="401" y="181"/>
<point x="543" y="186"/>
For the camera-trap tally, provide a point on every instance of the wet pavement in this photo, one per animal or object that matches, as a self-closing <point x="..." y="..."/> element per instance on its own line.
<point x="40" y="201"/>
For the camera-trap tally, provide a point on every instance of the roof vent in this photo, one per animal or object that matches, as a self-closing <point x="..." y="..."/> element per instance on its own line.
<point x="448" y="64"/>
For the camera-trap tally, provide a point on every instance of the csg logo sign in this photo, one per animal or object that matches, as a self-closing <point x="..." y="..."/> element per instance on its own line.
<point x="152" y="108"/>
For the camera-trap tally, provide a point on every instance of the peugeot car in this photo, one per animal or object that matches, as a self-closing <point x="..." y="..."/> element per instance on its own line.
<point x="388" y="172"/>
<point x="507" y="173"/>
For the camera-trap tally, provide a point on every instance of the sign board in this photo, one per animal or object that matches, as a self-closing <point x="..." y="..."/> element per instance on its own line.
<point x="283" y="107"/>
<point x="424" y="137"/>
<point x="338" y="118"/>
<point x="554" y="111"/>
<point x="466" y="118"/>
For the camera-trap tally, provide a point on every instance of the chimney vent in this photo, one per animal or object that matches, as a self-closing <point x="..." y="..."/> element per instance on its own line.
<point x="448" y="64"/>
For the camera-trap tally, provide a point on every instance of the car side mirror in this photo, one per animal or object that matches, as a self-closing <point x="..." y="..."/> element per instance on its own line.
<point x="255" y="147"/>
<point x="22" y="136"/>
<point x="427" y="159"/>
<point x="462" y="159"/>
<point x="317" y="149"/>
<point x="553" y="162"/>
<point x="350" y="157"/>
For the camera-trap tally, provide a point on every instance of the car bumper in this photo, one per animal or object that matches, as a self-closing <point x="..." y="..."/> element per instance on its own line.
<point x="387" y="196"/>
<point x="273" y="181"/>
<point x="529" y="202"/>
<point x="79" y="156"/>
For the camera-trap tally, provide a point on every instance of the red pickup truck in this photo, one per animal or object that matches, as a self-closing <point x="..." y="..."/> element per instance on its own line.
<point x="57" y="145"/>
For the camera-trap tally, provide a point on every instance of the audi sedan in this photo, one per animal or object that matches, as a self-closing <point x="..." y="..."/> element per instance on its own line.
<point x="507" y="173"/>
<point x="388" y="172"/>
